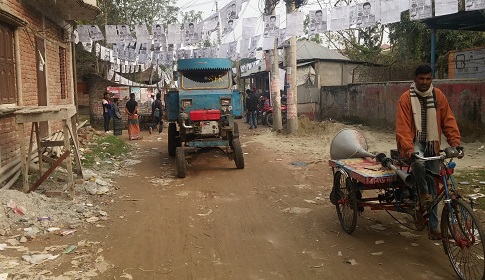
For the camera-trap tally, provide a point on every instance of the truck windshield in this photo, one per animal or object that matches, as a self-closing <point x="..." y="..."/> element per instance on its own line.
<point x="205" y="79"/>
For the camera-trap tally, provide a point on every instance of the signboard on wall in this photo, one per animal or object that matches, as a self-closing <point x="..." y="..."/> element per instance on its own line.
<point x="123" y="93"/>
<point x="467" y="64"/>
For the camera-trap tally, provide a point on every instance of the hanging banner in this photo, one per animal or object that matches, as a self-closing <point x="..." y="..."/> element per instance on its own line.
<point x="244" y="48"/>
<point x="420" y="9"/>
<point x="268" y="43"/>
<point x="390" y="10"/>
<point x="191" y="33"/>
<point x="254" y="45"/>
<point x="111" y="34"/>
<point x="471" y="5"/>
<point x="271" y="26"/>
<point x="318" y="22"/>
<point x="141" y="32"/>
<point x="370" y="14"/>
<point x="174" y="34"/>
<point x="223" y="50"/>
<point x="339" y="18"/>
<point x="294" y="24"/>
<point x="232" y="52"/>
<point x="124" y="34"/>
<point x="249" y="27"/>
<point x="445" y="7"/>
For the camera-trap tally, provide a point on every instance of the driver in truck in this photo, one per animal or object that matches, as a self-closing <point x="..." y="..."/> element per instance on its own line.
<point x="423" y="113"/>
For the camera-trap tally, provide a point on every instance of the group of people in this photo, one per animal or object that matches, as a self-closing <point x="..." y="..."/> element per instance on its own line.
<point x="112" y="110"/>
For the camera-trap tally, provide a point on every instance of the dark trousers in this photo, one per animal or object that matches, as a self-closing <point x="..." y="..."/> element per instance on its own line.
<point x="106" y="118"/>
<point x="158" y="122"/>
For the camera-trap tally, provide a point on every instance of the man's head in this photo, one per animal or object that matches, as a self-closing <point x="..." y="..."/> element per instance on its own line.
<point x="191" y="26"/>
<point x="123" y="27"/>
<point x="366" y="8"/>
<point x="158" y="27"/>
<point x="132" y="95"/>
<point x="230" y="23"/>
<point x="423" y="77"/>
<point x="106" y="95"/>
<point x="272" y="19"/>
<point x="319" y="15"/>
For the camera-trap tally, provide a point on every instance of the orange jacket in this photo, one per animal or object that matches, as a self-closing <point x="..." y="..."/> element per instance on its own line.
<point x="405" y="130"/>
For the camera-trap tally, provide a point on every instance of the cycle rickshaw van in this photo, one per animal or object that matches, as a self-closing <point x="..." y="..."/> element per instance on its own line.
<point x="377" y="182"/>
<point x="201" y="111"/>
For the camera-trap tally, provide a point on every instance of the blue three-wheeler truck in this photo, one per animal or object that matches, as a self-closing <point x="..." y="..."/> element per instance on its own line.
<point x="201" y="112"/>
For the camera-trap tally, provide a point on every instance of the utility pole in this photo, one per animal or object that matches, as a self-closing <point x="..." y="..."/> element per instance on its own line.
<point x="274" y="79"/>
<point x="291" y="92"/>
<point x="218" y="26"/>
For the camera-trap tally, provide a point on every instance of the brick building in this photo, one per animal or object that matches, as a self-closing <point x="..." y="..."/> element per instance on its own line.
<point x="36" y="57"/>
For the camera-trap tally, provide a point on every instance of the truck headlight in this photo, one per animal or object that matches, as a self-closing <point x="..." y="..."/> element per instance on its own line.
<point x="186" y="103"/>
<point x="225" y="102"/>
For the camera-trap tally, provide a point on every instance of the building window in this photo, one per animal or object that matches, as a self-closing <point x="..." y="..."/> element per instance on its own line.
<point x="63" y="72"/>
<point x="7" y="65"/>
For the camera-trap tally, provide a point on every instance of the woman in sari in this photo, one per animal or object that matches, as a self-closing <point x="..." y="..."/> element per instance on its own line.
<point x="133" y="125"/>
<point x="117" y="124"/>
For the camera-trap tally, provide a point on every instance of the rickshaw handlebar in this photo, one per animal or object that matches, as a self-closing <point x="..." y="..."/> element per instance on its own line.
<point x="449" y="152"/>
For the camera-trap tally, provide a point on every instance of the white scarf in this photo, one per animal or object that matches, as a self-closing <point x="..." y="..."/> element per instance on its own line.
<point x="432" y="134"/>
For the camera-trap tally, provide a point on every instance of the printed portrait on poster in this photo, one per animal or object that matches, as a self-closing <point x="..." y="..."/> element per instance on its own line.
<point x="271" y="26"/>
<point x="318" y="22"/>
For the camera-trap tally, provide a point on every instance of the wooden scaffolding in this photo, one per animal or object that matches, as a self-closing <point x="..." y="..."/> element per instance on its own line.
<point x="34" y="115"/>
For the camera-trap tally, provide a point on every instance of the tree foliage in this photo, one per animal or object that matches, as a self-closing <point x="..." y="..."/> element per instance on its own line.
<point x="412" y="40"/>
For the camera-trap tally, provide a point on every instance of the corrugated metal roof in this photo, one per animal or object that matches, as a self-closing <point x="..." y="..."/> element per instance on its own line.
<point x="308" y="50"/>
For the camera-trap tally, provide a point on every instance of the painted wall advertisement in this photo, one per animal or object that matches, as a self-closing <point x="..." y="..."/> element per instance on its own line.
<point x="466" y="64"/>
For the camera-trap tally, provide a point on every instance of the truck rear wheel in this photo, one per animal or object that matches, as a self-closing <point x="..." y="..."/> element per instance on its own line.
<point x="181" y="163"/>
<point x="172" y="138"/>
<point x="238" y="154"/>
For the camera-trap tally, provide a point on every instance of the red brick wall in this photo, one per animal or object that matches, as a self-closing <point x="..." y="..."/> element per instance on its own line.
<point x="9" y="140"/>
<point x="40" y="26"/>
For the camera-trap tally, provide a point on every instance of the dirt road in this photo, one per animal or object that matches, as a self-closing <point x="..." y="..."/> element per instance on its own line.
<point x="271" y="220"/>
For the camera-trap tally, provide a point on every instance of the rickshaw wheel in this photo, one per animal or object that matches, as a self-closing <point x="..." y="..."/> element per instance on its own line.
<point x="181" y="163"/>
<point x="463" y="240"/>
<point x="347" y="203"/>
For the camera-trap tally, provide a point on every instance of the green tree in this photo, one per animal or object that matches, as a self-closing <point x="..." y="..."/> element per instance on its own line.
<point x="411" y="41"/>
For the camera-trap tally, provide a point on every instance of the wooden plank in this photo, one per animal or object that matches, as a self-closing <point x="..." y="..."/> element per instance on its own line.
<point x="49" y="171"/>
<point x="39" y="150"/>
<point x="75" y="143"/>
<point x="30" y="143"/>
<point x="52" y="161"/>
<point x="44" y="144"/>
<point x="70" y="177"/>
<point x="23" y="157"/>
<point x="45" y="113"/>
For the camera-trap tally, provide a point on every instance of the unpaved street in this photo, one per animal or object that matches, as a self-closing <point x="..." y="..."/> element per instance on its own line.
<point x="271" y="220"/>
<point x="133" y="219"/>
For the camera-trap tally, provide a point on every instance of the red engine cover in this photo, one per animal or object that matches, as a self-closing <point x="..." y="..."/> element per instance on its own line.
<point x="205" y="115"/>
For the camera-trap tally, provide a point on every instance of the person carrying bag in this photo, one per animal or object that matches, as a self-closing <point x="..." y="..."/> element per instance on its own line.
<point x="157" y="114"/>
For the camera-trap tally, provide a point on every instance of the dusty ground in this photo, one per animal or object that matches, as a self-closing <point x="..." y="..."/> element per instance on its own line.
<point x="271" y="220"/>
